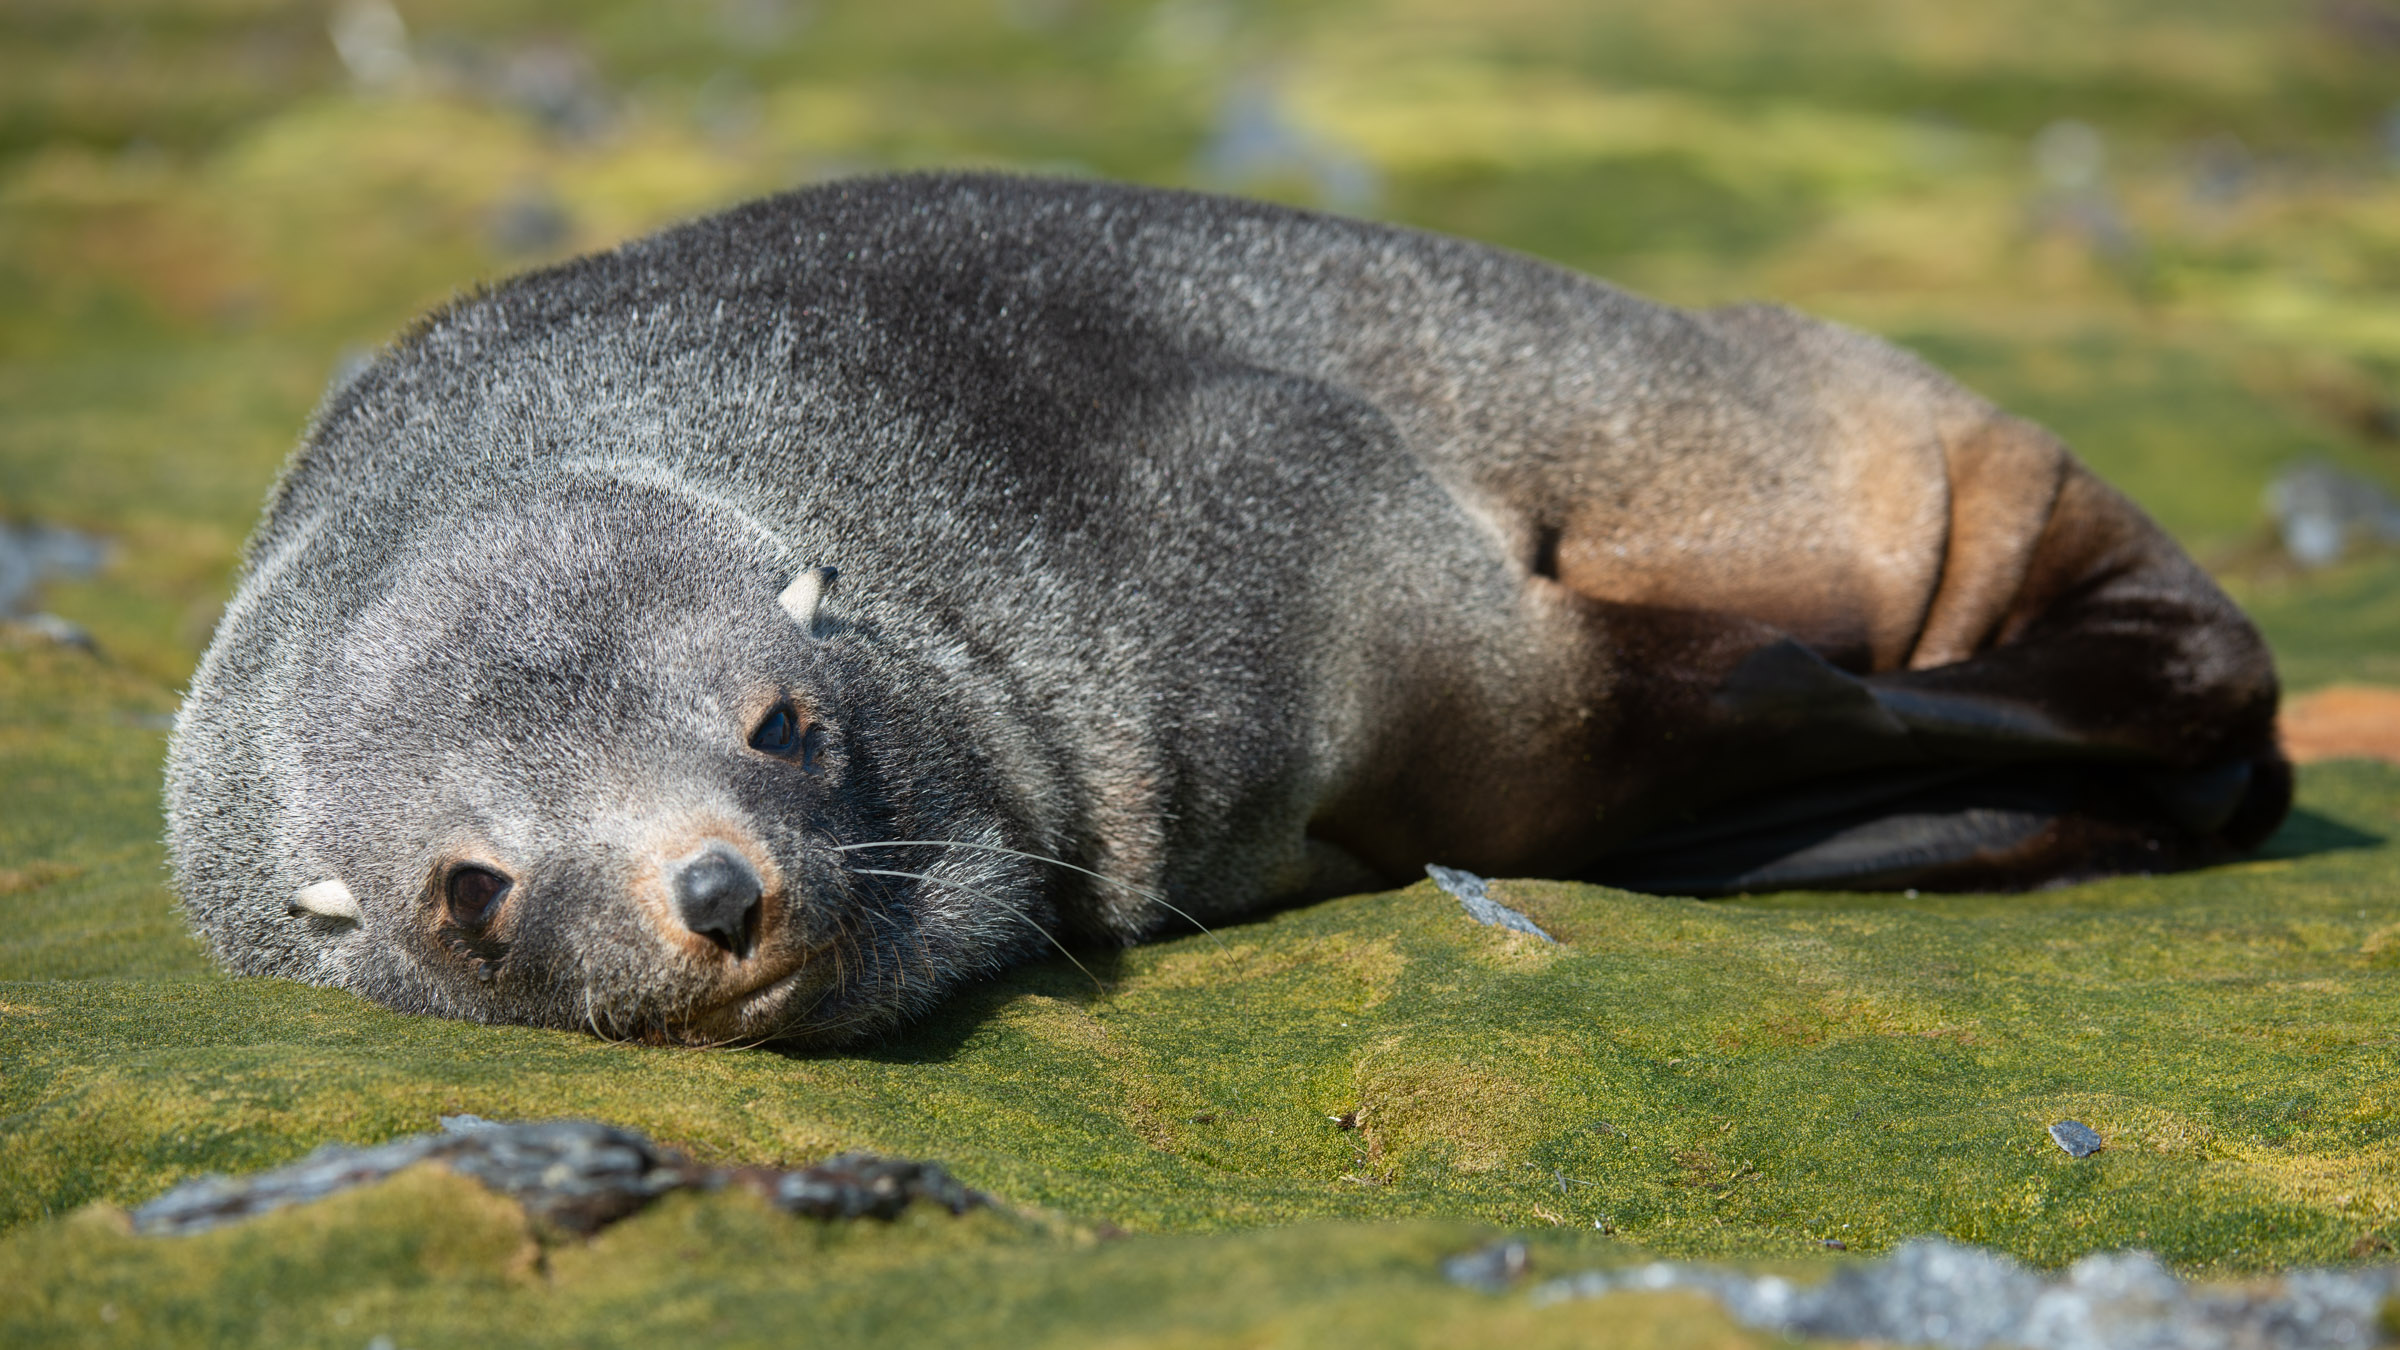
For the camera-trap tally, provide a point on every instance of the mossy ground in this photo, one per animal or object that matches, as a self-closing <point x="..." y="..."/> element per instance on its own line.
<point x="198" y="217"/>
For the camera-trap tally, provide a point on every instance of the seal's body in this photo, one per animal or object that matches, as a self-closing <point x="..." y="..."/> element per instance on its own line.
<point x="1213" y="554"/>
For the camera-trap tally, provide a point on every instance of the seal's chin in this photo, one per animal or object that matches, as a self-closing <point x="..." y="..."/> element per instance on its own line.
<point x="775" y="1008"/>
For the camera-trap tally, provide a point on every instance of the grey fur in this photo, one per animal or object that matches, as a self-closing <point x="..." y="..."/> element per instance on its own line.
<point x="1172" y="532"/>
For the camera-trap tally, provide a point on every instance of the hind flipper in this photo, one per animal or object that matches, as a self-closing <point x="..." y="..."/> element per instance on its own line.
<point x="2119" y="717"/>
<point x="1953" y="828"/>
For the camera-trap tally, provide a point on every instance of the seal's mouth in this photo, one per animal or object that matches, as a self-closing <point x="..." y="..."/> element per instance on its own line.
<point x="769" y="1006"/>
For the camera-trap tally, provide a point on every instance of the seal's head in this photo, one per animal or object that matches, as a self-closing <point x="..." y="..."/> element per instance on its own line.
<point x="589" y="757"/>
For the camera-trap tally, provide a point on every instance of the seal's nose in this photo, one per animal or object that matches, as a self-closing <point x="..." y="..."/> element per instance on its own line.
<point x="716" y="894"/>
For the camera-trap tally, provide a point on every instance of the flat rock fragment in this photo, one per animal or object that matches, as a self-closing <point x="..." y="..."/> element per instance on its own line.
<point x="2077" y="1138"/>
<point x="2324" y="513"/>
<point x="1491" y="1268"/>
<point x="31" y="552"/>
<point x="1477" y="901"/>
<point x="861" y="1186"/>
<point x="576" y="1175"/>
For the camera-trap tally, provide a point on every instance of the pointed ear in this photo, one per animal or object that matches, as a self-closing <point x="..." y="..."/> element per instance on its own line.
<point x="807" y="591"/>
<point x="329" y="898"/>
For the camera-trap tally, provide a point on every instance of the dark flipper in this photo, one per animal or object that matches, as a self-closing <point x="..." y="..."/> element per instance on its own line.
<point x="1961" y="828"/>
<point x="2086" y="747"/>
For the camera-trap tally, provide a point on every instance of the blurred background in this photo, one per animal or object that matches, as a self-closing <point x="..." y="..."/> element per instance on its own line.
<point x="2168" y="228"/>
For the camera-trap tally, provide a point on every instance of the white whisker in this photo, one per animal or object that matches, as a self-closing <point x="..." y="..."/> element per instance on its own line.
<point x="989" y="898"/>
<point x="1143" y="891"/>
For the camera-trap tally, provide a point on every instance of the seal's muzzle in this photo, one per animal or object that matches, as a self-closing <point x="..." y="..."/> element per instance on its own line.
<point x="717" y="896"/>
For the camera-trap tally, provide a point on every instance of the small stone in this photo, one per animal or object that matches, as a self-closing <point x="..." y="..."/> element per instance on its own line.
<point x="2325" y="513"/>
<point x="29" y="553"/>
<point x="861" y="1185"/>
<point x="2077" y="1138"/>
<point x="48" y="630"/>
<point x="1491" y="1268"/>
<point x="1477" y="901"/>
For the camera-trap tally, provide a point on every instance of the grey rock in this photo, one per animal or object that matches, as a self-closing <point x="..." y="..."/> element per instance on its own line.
<point x="1936" y="1293"/>
<point x="2323" y="513"/>
<point x="1491" y="1268"/>
<point x="569" y="1174"/>
<point x="1256" y="141"/>
<point x="48" y="629"/>
<point x="1477" y="901"/>
<point x="575" y="1175"/>
<point x="864" y="1186"/>
<point x="2077" y="1138"/>
<point x="372" y="41"/>
<point x="31" y="553"/>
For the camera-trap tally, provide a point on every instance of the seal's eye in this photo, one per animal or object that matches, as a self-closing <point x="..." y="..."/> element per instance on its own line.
<point x="779" y="734"/>
<point x="474" y="895"/>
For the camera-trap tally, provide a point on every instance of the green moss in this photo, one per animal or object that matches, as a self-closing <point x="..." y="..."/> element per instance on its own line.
<point x="1605" y="215"/>
<point x="429" y="1259"/>
<point x="1734" y="1078"/>
<point x="2326" y="629"/>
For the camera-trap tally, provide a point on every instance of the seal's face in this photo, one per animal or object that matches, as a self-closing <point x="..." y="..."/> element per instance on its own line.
<point x="583" y="761"/>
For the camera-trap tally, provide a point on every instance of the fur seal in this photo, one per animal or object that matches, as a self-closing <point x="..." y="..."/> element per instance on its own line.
<point x="756" y="630"/>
